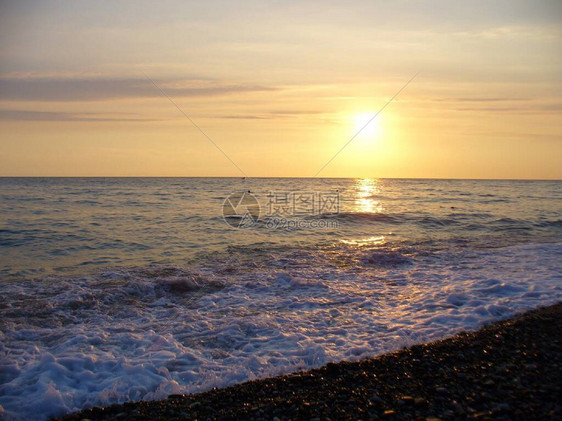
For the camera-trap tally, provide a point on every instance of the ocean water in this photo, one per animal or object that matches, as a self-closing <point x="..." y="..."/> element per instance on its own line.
<point x="122" y="289"/>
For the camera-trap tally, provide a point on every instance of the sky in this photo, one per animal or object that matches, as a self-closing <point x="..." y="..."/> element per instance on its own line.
<point x="280" y="87"/>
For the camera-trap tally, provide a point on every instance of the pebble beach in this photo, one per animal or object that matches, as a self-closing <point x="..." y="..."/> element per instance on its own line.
<point x="511" y="369"/>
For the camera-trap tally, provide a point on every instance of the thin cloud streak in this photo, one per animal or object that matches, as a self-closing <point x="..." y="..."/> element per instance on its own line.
<point x="246" y="117"/>
<point x="538" y="110"/>
<point x="95" y="89"/>
<point x="273" y="115"/>
<point x="483" y="99"/>
<point x="26" y="115"/>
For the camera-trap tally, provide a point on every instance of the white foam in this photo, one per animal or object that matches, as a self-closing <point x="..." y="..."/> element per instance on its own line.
<point x="144" y="334"/>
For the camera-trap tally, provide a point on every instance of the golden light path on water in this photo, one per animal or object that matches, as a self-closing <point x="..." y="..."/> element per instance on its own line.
<point x="366" y="202"/>
<point x="370" y="241"/>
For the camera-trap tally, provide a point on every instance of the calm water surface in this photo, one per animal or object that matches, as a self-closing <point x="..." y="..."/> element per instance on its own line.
<point x="76" y="225"/>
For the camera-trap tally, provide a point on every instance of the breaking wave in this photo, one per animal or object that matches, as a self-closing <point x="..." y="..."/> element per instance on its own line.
<point x="144" y="333"/>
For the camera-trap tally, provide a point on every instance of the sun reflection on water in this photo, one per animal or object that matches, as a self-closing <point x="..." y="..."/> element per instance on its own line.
<point x="365" y="201"/>
<point x="367" y="191"/>
<point x="371" y="241"/>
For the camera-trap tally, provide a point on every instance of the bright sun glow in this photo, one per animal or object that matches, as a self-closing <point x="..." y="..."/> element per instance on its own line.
<point x="372" y="129"/>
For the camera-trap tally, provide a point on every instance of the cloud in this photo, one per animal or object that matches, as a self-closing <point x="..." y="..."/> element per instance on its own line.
<point x="95" y="89"/>
<point x="246" y="117"/>
<point x="493" y="109"/>
<point x="33" y="115"/>
<point x="272" y="115"/>
<point x="537" y="109"/>
<point x="481" y="99"/>
<point x="552" y="107"/>
<point x="521" y="31"/>
<point x="25" y="115"/>
<point x="502" y="105"/>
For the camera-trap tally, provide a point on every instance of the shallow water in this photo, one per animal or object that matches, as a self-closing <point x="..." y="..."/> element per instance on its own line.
<point x="128" y="289"/>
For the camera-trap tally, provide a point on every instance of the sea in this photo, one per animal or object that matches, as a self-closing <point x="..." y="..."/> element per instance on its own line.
<point x="127" y="289"/>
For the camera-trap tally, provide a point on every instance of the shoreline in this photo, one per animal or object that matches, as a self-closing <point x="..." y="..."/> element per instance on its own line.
<point x="511" y="369"/>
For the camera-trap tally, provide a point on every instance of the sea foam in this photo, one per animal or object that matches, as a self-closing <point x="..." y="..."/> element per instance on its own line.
<point x="145" y="333"/>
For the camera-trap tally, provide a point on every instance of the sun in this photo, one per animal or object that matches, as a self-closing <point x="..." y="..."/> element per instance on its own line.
<point x="370" y="127"/>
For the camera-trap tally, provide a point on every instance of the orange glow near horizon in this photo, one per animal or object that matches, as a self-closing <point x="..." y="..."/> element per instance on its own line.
<point x="75" y="101"/>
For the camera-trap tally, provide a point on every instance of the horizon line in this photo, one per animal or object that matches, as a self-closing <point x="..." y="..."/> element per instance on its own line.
<point x="281" y="177"/>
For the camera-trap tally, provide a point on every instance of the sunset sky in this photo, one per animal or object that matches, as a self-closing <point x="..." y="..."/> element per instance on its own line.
<point x="281" y="86"/>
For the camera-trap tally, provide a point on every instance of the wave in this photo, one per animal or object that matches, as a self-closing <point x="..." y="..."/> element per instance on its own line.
<point x="362" y="217"/>
<point x="386" y="259"/>
<point x="510" y="224"/>
<point x="421" y="220"/>
<point x="550" y="224"/>
<point x="147" y="332"/>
